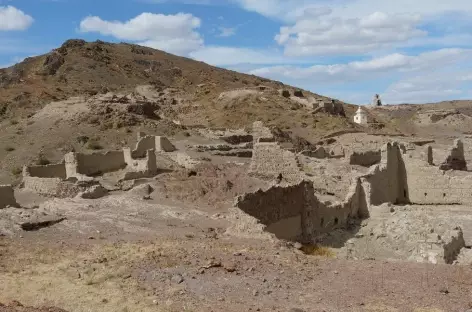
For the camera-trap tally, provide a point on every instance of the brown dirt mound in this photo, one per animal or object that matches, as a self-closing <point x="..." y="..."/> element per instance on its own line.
<point x="208" y="185"/>
<point x="18" y="307"/>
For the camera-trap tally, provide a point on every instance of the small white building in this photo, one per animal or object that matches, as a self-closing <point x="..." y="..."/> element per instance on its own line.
<point x="361" y="116"/>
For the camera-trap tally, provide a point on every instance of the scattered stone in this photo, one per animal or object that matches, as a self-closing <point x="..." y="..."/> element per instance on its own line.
<point x="177" y="278"/>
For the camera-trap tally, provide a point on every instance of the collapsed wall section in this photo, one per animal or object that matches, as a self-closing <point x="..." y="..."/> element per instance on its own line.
<point x="78" y="164"/>
<point x="269" y="160"/>
<point x="51" y="187"/>
<point x="387" y="182"/>
<point x="295" y="213"/>
<point x="430" y="185"/>
<point x="139" y="168"/>
<point x="7" y="196"/>
<point x="47" y="171"/>
<point x="365" y="158"/>
<point x="260" y="133"/>
<point x="151" y="142"/>
<point x="455" y="159"/>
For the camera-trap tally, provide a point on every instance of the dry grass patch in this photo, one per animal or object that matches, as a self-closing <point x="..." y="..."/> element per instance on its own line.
<point x="318" y="250"/>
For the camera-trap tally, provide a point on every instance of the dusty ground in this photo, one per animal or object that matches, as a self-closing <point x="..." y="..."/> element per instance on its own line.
<point x="150" y="257"/>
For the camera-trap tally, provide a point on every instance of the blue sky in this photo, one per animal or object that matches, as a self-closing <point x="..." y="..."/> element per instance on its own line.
<point x="408" y="51"/>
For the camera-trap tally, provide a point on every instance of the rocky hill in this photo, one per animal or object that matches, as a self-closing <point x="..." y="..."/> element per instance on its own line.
<point x="94" y="95"/>
<point x="106" y="92"/>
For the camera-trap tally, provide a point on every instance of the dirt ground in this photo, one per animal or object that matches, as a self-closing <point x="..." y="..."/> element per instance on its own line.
<point x="172" y="253"/>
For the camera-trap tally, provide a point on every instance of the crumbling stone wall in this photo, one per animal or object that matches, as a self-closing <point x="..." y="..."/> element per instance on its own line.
<point x="260" y="133"/>
<point x="140" y="168"/>
<point x="387" y="182"/>
<point x="455" y="159"/>
<point x="365" y="158"/>
<point x="294" y="212"/>
<point x="47" y="171"/>
<point x="428" y="184"/>
<point x="151" y="142"/>
<point x="279" y="208"/>
<point x="52" y="187"/>
<point x="78" y="164"/>
<point x="269" y="160"/>
<point x="7" y="196"/>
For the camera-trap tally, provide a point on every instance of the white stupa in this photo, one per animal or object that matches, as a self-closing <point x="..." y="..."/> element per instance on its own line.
<point x="360" y="117"/>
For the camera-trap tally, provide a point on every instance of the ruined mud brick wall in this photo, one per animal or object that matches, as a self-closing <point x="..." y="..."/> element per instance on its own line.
<point x="279" y="208"/>
<point x="261" y="133"/>
<point x="47" y="171"/>
<point x="93" y="164"/>
<point x="269" y="160"/>
<point x="386" y="182"/>
<point x="52" y="187"/>
<point x="139" y="168"/>
<point x="455" y="159"/>
<point x="7" y="196"/>
<point x="148" y="142"/>
<point x="365" y="158"/>
<point x="428" y="184"/>
<point x="294" y="212"/>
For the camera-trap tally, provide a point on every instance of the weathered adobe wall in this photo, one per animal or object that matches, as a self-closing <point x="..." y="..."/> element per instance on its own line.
<point x="260" y="133"/>
<point x="7" y="196"/>
<point x="140" y="168"/>
<point x="387" y="182"/>
<point x="269" y="160"/>
<point x="365" y="158"/>
<point x="47" y="171"/>
<point x="428" y="184"/>
<point x="455" y="159"/>
<point x="148" y="142"/>
<point x="93" y="164"/>
<point x="294" y="212"/>
<point x="51" y="187"/>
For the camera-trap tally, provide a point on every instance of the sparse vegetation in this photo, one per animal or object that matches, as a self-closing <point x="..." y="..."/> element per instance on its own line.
<point x="42" y="161"/>
<point x="16" y="171"/>
<point x="9" y="148"/>
<point x="94" y="145"/>
<point x="318" y="250"/>
<point x="82" y="139"/>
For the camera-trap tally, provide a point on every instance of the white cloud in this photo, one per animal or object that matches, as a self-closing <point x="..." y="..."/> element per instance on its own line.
<point x="291" y="10"/>
<point x="227" y="56"/>
<point x="330" y="35"/>
<point x="172" y="33"/>
<point x="430" y="88"/>
<point x="361" y="70"/>
<point x="12" y="18"/>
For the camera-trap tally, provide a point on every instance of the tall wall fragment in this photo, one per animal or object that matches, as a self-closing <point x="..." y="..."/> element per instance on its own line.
<point x="270" y="160"/>
<point x="455" y="160"/>
<point x="151" y="142"/>
<point x="295" y="213"/>
<point x="387" y="182"/>
<point x="7" y="196"/>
